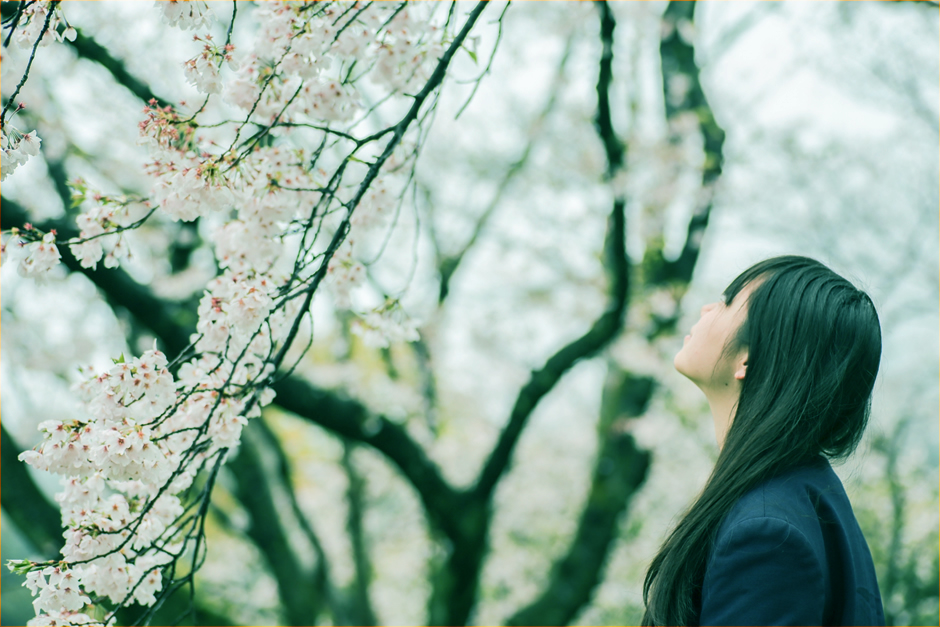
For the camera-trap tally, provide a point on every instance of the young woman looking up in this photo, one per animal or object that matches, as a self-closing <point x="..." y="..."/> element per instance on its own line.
<point x="787" y="360"/>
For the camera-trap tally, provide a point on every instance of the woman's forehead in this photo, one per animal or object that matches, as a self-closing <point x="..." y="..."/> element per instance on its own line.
<point x="741" y="289"/>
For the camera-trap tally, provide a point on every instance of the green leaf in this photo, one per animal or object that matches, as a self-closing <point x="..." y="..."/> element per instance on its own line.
<point x="20" y="567"/>
<point x="119" y="360"/>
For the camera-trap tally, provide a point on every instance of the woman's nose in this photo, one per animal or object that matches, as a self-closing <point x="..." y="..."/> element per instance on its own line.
<point x="708" y="307"/>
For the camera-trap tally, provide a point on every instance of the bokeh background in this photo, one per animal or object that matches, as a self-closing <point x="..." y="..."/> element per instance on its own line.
<point x="748" y="130"/>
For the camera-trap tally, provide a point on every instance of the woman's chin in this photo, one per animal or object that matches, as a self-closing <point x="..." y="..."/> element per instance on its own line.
<point x="678" y="362"/>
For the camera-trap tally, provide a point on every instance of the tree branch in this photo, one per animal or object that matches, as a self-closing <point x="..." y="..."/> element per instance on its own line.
<point x="603" y="122"/>
<point x="349" y="419"/>
<point x="440" y="499"/>
<point x="45" y="26"/>
<point x="38" y="520"/>
<point x="456" y="587"/>
<point x="684" y="95"/>
<point x="619" y="471"/>
<point x="433" y="83"/>
<point x="608" y="325"/>
<point x="343" y="416"/>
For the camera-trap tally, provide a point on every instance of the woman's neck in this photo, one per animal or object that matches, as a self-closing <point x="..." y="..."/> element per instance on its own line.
<point x="723" y="404"/>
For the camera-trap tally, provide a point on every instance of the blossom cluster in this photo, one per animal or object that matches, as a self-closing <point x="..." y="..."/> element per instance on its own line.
<point x="36" y="253"/>
<point x="117" y="503"/>
<point x="186" y="15"/>
<point x="125" y="466"/>
<point x="314" y="50"/>
<point x="17" y="149"/>
<point x="32" y="21"/>
<point x="202" y="71"/>
<point x="268" y="208"/>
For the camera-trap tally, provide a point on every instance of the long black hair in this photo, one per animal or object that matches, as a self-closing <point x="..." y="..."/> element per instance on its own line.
<point x="814" y="343"/>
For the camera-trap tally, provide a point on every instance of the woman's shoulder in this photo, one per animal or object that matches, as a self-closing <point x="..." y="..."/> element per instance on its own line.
<point x="798" y="531"/>
<point x="800" y="497"/>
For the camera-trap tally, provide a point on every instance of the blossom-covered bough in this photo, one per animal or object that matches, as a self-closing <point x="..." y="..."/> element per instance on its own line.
<point x="291" y="182"/>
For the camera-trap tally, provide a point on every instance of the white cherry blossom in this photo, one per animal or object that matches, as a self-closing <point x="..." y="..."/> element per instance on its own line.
<point x="202" y="72"/>
<point x="41" y="257"/>
<point x="33" y="19"/>
<point x="17" y="149"/>
<point x="29" y="144"/>
<point x="185" y="14"/>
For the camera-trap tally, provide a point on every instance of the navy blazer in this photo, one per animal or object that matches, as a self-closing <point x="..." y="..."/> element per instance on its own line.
<point x="790" y="552"/>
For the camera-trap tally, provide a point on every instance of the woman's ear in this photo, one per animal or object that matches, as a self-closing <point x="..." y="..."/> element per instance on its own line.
<point x="740" y="366"/>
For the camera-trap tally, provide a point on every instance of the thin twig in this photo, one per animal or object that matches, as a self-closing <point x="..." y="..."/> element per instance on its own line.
<point x="489" y="64"/>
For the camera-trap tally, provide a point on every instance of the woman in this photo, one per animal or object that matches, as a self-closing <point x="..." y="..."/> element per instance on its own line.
<point x="787" y="362"/>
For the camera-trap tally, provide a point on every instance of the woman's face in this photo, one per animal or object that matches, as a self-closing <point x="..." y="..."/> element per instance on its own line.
<point x="703" y="358"/>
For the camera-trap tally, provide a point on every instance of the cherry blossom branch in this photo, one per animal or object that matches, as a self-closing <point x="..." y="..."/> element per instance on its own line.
<point x="32" y="55"/>
<point x="328" y="410"/>
<point x="332" y="131"/>
<point x="117" y="286"/>
<point x="231" y="23"/>
<point x="133" y="525"/>
<point x="254" y="106"/>
<point x="390" y="230"/>
<point x="219" y="385"/>
<point x="196" y="535"/>
<point x="119" y="229"/>
<point x="253" y="141"/>
<point x="393" y="15"/>
<point x="436" y="78"/>
<point x="349" y="22"/>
